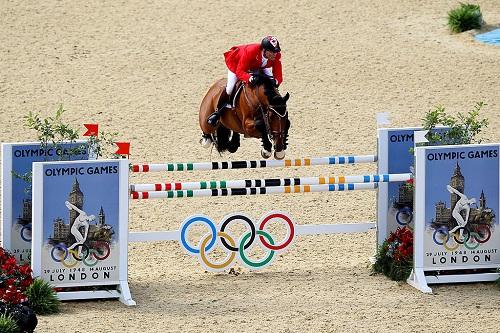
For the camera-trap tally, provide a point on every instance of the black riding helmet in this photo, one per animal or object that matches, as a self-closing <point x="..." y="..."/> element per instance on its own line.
<point x="270" y="43"/>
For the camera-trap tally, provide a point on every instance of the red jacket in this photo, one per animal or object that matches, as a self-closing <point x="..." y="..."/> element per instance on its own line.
<point x="244" y="58"/>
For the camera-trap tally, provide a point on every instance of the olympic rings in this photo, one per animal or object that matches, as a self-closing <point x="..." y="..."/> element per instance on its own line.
<point x="235" y="218"/>
<point x="474" y="245"/>
<point x="218" y="236"/>
<point x="291" y="231"/>
<point x="26" y="233"/>
<point x="486" y="232"/>
<point x="69" y="258"/>
<point x="187" y="224"/>
<point x="441" y="231"/>
<point x="228" y="259"/>
<point x="407" y="214"/>
<point x="251" y="264"/>
<point x="470" y="239"/>
<point x="62" y="248"/>
<point x="454" y="245"/>
<point x="101" y="250"/>
<point x="459" y="239"/>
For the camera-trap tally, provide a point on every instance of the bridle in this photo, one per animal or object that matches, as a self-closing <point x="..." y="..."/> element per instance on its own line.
<point x="280" y="133"/>
<point x="266" y="111"/>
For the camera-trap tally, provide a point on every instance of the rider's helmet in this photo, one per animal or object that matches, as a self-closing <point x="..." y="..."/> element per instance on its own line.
<point x="270" y="43"/>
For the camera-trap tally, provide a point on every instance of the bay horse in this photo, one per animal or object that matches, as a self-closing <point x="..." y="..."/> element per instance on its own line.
<point x="259" y="111"/>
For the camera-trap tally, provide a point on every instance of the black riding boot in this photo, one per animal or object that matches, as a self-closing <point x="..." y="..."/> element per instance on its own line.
<point x="221" y="107"/>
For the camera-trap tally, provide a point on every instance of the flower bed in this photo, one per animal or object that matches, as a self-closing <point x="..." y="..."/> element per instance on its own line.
<point x="14" y="306"/>
<point x="395" y="257"/>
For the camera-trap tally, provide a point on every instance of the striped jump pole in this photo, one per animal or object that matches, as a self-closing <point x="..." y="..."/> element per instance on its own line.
<point x="253" y="164"/>
<point x="245" y="183"/>
<point x="252" y="191"/>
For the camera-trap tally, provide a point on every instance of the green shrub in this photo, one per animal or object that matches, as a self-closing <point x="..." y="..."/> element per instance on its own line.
<point x="42" y="298"/>
<point x="7" y="324"/>
<point x="465" y="17"/>
<point x="53" y="130"/>
<point x="463" y="129"/>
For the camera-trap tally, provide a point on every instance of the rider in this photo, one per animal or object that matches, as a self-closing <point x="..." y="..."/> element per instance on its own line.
<point x="242" y="61"/>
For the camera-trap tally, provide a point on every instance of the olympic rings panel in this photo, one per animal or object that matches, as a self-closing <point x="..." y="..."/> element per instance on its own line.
<point x="237" y="248"/>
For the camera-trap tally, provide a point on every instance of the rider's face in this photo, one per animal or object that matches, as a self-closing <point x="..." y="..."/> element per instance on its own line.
<point x="270" y="55"/>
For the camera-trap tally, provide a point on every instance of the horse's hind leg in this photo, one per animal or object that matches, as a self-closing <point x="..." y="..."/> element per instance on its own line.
<point x="222" y="139"/>
<point x="234" y="143"/>
<point x="208" y="131"/>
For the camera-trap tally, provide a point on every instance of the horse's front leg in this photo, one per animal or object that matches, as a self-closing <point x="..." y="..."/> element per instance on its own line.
<point x="258" y="130"/>
<point x="267" y="146"/>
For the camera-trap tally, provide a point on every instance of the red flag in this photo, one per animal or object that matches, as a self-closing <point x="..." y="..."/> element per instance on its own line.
<point x="92" y="129"/>
<point x="123" y="148"/>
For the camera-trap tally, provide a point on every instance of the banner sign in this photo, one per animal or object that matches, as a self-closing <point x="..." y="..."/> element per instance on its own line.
<point x="17" y="159"/>
<point x="394" y="199"/>
<point x="456" y="223"/>
<point x="461" y="208"/>
<point x="80" y="212"/>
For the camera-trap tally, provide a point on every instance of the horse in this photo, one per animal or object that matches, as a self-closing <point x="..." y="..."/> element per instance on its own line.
<point x="258" y="111"/>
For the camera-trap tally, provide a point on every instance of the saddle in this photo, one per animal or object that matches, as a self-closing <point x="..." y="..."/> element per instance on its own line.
<point x="238" y="88"/>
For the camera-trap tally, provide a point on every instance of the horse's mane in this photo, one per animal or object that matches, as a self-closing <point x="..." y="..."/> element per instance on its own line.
<point x="268" y="83"/>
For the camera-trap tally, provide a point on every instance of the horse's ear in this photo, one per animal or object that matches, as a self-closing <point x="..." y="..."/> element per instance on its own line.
<point x="287" y="96"/>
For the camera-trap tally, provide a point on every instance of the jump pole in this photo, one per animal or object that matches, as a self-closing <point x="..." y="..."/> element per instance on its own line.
<point x="271" y="182"/>
<point x="252" y="191"/>
<point x="253" y="164"/>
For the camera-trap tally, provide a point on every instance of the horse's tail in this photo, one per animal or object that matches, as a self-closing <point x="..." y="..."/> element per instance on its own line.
<point x="225" y="139"/>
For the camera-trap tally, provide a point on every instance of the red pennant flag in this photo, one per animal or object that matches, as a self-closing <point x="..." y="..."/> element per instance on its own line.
<point x="92" y="129"/>
<point x="123" y="148"/>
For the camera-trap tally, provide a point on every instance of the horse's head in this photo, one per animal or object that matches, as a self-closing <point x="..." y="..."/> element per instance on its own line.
<point x="275" y="115"/>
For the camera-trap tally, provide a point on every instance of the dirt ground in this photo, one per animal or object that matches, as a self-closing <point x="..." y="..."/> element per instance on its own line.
<point x="141" y="68"/>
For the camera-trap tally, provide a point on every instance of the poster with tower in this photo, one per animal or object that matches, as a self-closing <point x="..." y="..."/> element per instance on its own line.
<point x="17" y="159"/>
<point x="394" y="199"/>
<point x="80" y="235"/>
<point x="457" y="238"/>
<point x="462" y="193"/>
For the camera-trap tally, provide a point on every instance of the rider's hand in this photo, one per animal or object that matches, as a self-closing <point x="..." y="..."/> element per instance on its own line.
<point x="253" y="79"/>
<point x="276" y="83"/>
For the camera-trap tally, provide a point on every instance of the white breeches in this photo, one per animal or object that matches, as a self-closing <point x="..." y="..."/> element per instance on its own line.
<point x="232" y="79"/>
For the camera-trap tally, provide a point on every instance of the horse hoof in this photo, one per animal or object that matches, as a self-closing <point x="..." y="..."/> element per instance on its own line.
<point x="266" y="154"/>
<point x="206" y="142"/>
<point x="279" y="155"/>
